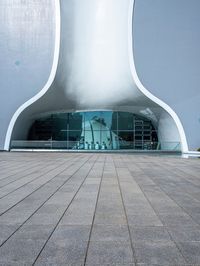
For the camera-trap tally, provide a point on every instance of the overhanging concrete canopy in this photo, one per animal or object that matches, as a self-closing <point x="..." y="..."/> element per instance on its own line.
<point x="94" y="69"/>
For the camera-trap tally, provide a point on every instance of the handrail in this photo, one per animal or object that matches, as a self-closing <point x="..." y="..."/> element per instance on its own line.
<point x="80" y="145"/>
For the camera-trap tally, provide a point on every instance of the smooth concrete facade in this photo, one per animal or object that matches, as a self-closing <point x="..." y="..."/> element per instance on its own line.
<point x="75" y="62"/>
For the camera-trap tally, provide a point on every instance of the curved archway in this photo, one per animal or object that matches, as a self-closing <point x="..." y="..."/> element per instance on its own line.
<point x="96" y="70"/>
<point x="94" y="130"/>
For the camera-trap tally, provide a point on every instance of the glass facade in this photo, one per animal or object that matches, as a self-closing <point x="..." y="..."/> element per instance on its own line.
<point x="98" y="130"/>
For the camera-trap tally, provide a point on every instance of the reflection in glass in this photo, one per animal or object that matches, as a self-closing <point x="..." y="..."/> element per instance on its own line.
<point x="75" y="121"/>
<point x="125" y="121"/>
<point x="97" y="130"/>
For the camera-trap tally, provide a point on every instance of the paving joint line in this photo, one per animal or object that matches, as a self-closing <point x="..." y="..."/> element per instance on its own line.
<point x="45" y="201"/>
<point x="184" y="178"/>
<point x="164" y="225"/>
<point x="93" y="218"/>
<point x="126" y="216"/>
<point x="37" y="188"/>
<point x="21" y="177"/>
<point x="15" y="167"/>
<point x="183" y="209"/>
<point x="35" y="178"/>
<point x="26" y="168"/>
<point x="37" y="257"/>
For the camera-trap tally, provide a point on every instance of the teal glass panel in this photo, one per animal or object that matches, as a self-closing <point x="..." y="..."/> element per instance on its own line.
<point x="114" y="121"/>
<point x="74" y="135"/>
<point x="92" y="116"/>
<point x="115" y="143"/>
<point x="75" y="121"/>
<point x="59" y="126"/>
<point x="125" y="139"/>
<point x="138" y="132"/>
<point x="106" y="120"/>
<point x="125" y="121"/>
<point x="60" y="135"/>
<point x="126" y="135"/>
<point x="106" y="139"/>
<point x="97" y="137"/>
<point x="146" y="138"/>
<point x="89" y="139"/>
<point x="138" y="137"/>
<point x="41" y="129"/>
<point x="95" y="130"/>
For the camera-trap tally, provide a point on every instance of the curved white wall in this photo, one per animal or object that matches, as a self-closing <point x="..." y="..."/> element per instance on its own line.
<point x="47" y="85"/>
<point x="95" y="68"/>
<point x="26" y="53"/>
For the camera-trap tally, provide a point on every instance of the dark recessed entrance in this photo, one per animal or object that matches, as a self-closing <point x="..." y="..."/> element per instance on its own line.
<point x="97" y="130"/>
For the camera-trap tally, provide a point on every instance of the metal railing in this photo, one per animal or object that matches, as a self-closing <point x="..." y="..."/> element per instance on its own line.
<point x="76" y="145"/>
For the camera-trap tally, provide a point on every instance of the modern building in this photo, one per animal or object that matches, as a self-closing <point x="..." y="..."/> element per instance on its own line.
<point x="69" y="78"/>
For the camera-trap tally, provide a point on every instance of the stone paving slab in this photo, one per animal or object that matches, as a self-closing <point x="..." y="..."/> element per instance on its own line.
<point x="78" y="209"/>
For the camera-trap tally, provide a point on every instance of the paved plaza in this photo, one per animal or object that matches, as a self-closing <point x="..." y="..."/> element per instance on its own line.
<point x="78" y="209"/>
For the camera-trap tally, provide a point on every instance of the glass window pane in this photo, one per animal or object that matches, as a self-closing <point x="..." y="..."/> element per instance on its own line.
<point x="125" y="121"/>
<point x="126" y="135"/>
<point x="97" y="137"/>
<point x="138" y="144"/>
<point x="59" y="126"/>
<point x="125" y="139"/>
<point x="74" y="135"/>
<point x="106" y="139"/>
<point x="41" y="129"/>
<point x="114" y="121"/>
<point x="114" y="141"/>
<point x="138" y="133"/>
<point x="88" y="137"/>
<point x="106" y="119"/>
<point x="139" y="137"/>
<point x="92" y="116"/>
<point x="75" y="121"/>
<point x="60" y="135"/>
<point x="95" y="130"/>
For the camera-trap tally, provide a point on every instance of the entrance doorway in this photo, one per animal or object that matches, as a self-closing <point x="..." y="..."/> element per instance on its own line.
<point x="97" y="130"/>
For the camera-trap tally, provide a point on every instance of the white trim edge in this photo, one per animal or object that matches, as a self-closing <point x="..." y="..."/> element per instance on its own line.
<point x="184" y="145"/>
<point x="51" y="78"/>
<point x="48" y="83"/>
